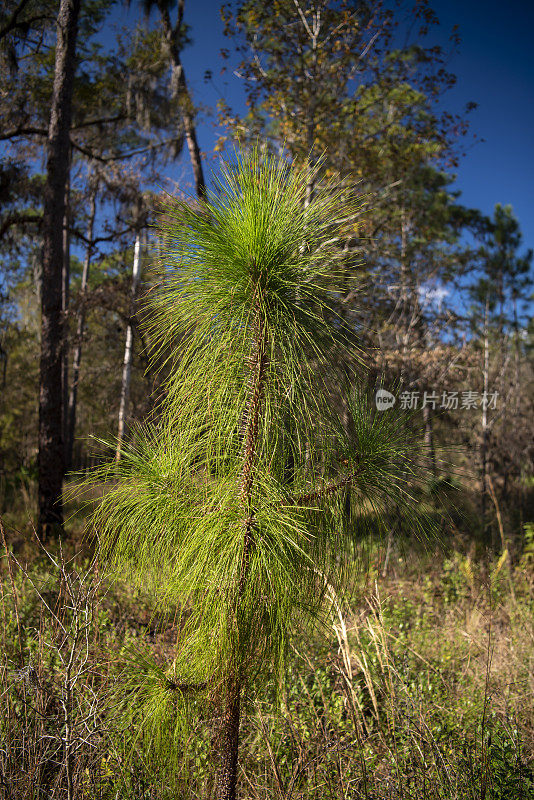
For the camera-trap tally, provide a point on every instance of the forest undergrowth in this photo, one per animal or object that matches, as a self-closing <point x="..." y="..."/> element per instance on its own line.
<point x="422" y="686"/>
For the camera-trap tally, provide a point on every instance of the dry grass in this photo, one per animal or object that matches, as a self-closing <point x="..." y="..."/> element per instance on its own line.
<point x="423" y="688"/>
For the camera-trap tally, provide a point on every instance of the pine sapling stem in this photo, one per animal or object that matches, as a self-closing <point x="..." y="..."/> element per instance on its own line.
<point x="229" y="742"/>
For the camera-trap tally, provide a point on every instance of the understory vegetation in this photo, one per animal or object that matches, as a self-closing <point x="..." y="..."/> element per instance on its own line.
<point x="420" y="686"/>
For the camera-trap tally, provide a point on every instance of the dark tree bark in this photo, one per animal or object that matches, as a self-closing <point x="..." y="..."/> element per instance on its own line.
<point x="229" y="746"/>
<point x="51" y="456"/>
<point x="226" y="784"/>
<point x="65" y="299"/>
<point x="179" y="89"/>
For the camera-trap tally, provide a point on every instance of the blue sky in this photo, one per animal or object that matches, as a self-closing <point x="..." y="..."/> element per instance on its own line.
<point x="494" y="67"/>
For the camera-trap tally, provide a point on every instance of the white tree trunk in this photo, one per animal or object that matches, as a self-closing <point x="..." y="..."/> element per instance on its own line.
<point x="127" y="364"/>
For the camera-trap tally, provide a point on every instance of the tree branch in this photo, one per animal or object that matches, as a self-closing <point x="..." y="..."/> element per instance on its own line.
<point x="119" y="156"/>
<point x="325" y="491"/>
<point x="98" y="239"/>
<point x="30" y="130"/>
<point x="13" y="23"/>
<point x="19" y="218"/>
<point x="23" y="131"/>
<point x="101" y="121"/>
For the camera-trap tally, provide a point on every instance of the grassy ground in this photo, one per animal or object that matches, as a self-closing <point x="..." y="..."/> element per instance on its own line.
<point x="422" y="686"/>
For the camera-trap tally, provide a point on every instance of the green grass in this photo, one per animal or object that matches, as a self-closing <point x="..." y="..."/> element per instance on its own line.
<point x="421" y="687"/>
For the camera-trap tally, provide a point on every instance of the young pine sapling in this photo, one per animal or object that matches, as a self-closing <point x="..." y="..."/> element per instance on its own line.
<point x="233" y="506"/>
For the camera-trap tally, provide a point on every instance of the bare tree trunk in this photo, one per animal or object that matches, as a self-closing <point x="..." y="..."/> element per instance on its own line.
<point x="51" y="456"/>
<point x="77" y="358"/>
<point x="517" y="358"/>
<point x="65" y="292"/>
<point x="403" y="320"/>
<point x="313" y="34"/>
<point x="484" y="444"/>
<point x="229" y="740"/>
<point x="229" y="746"/>
<point x="127" y="365"/>
<point x="179" y="89"/>
<point x="191" y="138"/>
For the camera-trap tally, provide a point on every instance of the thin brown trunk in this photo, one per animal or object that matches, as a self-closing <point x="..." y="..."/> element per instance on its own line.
<point x="229" y="746"/>
<point x="65" y="298"/>
<point x="77" y="358"/>
<point x="517" y="357"/>
<point x="192" y="143"/>
<point x="486" y="529"/>
<point x="404" y="322"/>
<point x="311" y="123"/>
<point x="229" y="735"/>
<point x="51" y="456"/>
<point x="179" y="89"/>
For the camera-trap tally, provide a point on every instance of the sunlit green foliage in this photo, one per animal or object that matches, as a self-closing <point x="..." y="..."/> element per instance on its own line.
<point x="241" y="505"/>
